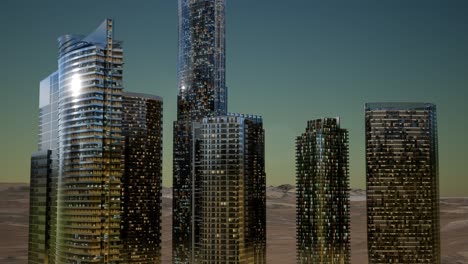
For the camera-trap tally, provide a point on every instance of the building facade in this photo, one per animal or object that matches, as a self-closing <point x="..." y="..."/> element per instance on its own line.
<point x="44" y="172"/>
<point x="402" y="183"/>
<point x="39" y="206"/>
<point x="90" y="147"/>
<point x="142" y="179"/>
<point x="233" y="201"/>
<point x="322" y="201"/>
<point x="97" y="177"/>
<point x="202" y="93"/>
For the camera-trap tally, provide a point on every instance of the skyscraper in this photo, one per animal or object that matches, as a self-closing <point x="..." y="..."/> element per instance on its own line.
<point x="44" y="172"/>
<point x="233" y="202"/>
<point x="90" y="147"/>
<point x="96" y="179"/>
<point x="142" y="179"/>
<point x="402" y="183"/>
<point x="201" y="93"/>
<point x="206" y="228"/>
<point x="322" y="182"/>
<point x="39" y="206"/>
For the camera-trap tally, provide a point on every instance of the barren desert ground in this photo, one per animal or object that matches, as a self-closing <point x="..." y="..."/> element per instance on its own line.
<point x="14" y="207"/>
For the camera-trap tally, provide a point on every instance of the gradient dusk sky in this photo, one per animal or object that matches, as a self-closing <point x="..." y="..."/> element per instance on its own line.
<point x="288" y="61"/>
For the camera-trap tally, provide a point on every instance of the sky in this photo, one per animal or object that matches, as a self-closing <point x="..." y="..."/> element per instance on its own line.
<point x="288" y="61"/>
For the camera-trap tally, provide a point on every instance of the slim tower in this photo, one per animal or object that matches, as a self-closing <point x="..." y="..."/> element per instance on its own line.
<point x="402" y="183"/>
<point x="323" y="223"/>
<point x="233" y="201"/>
<point x="142" y="179"/>
<point x="44" y="171"/>
<point x="201" y="93"/>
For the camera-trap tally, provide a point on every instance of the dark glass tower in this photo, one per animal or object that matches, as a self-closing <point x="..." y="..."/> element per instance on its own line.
<point x="39" y="207"/>
<point x="233" y="201"/>
<point x="44" y="171"/>
<point x="323" y="222"/>
<point x="142" y="180"/>
<point x="402" y="183"/>
<point x="201" y="93"/>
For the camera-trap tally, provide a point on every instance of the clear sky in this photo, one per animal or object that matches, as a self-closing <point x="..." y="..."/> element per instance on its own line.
<point x="289" y="61"/>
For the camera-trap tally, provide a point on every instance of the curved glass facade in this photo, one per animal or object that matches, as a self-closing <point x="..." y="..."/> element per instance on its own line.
<point x="90" y="147"/>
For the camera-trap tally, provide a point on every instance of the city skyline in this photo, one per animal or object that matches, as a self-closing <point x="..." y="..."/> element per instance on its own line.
<point x="429" y="72"/>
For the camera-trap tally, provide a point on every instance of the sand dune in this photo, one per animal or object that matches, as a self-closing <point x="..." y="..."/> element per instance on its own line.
<point x="14" y="207"/>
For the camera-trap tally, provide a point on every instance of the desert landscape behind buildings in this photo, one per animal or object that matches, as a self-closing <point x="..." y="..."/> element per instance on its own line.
<point x="14" y="208"/>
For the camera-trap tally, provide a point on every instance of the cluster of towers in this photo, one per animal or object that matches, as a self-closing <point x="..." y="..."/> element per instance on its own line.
<point x="402" y="187"/>
<point x="96" y="178"/>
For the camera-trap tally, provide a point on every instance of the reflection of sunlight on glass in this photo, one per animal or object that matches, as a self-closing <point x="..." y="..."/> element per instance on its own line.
<point x="75" y="85"/>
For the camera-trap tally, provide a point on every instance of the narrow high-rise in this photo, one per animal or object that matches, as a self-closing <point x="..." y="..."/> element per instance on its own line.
<point x="202" y="93"/>
<point x="402" y="183"/>
<point x="231" y="165"/>
<point x="212" y="223"/>
<point x="44" y="172"/>
<point x="142" y="179"/>
<point x="322" y="202"/>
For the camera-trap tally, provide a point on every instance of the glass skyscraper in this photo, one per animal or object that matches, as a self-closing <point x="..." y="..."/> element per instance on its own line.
<point x="322" y="202"/>
<point x="44" y="172"/>
<point x="96" y="179"/>
<point x="402" y="183"/>
<point x="202" y="93"/>
<point x="90" y="147"/>
<point x="202" y="223"/>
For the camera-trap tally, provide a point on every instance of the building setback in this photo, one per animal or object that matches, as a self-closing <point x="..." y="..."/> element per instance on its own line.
<point x="202" y="92"/>
<point x="402" y="183"/>
<point x="233" y="201"/>
<point x="322" y="182"/>
<point x="142" y="180"/>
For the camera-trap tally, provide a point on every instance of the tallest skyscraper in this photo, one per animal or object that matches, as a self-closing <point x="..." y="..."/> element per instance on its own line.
<point x="219" y="200"/>
<point x="201" y="65"/>
<point x="201" y="93"/>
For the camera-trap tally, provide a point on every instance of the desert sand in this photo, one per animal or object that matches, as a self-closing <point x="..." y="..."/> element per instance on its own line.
<point x="14" y="207"/>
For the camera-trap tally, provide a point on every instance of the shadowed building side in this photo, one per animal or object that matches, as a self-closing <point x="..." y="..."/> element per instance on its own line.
<point x="44" y="172"/>
<point x="142" y="179"/>
<point x="39" y="206"/>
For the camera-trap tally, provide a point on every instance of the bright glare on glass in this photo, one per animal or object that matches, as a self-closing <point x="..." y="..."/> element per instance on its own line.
<point x="75" y="85"/>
